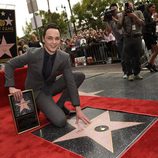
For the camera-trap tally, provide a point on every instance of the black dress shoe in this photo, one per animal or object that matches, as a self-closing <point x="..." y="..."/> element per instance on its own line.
<point x="149" y="66"/>
<point x="68" y="113"/>
<point x="154" y="68"/>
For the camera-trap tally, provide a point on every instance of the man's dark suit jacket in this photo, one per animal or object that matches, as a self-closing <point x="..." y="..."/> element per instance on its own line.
<point x="33" y="58"/>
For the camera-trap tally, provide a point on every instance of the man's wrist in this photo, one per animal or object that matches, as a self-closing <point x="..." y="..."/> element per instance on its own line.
<point x="78" y="108"/>
<point x="9" y="88"/>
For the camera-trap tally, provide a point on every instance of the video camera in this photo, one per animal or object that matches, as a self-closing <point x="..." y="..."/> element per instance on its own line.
<point x="108" y="15"/>
<point x="128" y="8"/>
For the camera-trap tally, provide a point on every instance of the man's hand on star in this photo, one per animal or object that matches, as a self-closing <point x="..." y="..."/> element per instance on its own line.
<point x="81" y="116"/>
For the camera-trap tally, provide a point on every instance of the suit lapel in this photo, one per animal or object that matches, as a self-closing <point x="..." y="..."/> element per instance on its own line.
<point x="41" y="58"/>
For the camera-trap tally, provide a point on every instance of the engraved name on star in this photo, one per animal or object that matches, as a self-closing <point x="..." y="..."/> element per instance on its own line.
<point x="8" y="21"/>
<point x="23" y="104"/>
<point x="5" y="48"/>
<point x="102" y="137"/>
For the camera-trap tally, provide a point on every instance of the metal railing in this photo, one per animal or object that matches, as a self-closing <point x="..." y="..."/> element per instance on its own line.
<point x="97" y="52"/>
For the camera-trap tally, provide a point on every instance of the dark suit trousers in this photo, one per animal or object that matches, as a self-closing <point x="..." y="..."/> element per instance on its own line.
<point x="52" y="110"/>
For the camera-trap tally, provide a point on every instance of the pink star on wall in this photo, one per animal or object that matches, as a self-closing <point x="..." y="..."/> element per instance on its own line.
<point x="4" y="47"/>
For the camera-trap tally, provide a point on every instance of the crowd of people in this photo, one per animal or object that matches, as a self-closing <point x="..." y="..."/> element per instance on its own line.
<point x="125" y="30"/>
<point x="23" y="45"/>
<point x="91" y="39"/>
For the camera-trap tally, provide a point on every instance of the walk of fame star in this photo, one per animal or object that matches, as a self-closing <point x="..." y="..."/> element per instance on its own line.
<point x="23" y="104"/>
<point x="8" y="21"/>
<point x="4" y="47"/>
<point x="99" y="130"/>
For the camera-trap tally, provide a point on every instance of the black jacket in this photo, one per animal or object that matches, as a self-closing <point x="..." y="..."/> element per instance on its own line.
<point x="150" y="24"/>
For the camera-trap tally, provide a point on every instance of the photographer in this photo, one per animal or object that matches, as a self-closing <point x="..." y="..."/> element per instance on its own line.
<point x="132" y="22"/>
<point x="117" y="31"/>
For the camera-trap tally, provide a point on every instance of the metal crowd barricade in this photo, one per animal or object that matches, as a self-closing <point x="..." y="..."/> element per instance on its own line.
<point x="96" y="53"/>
